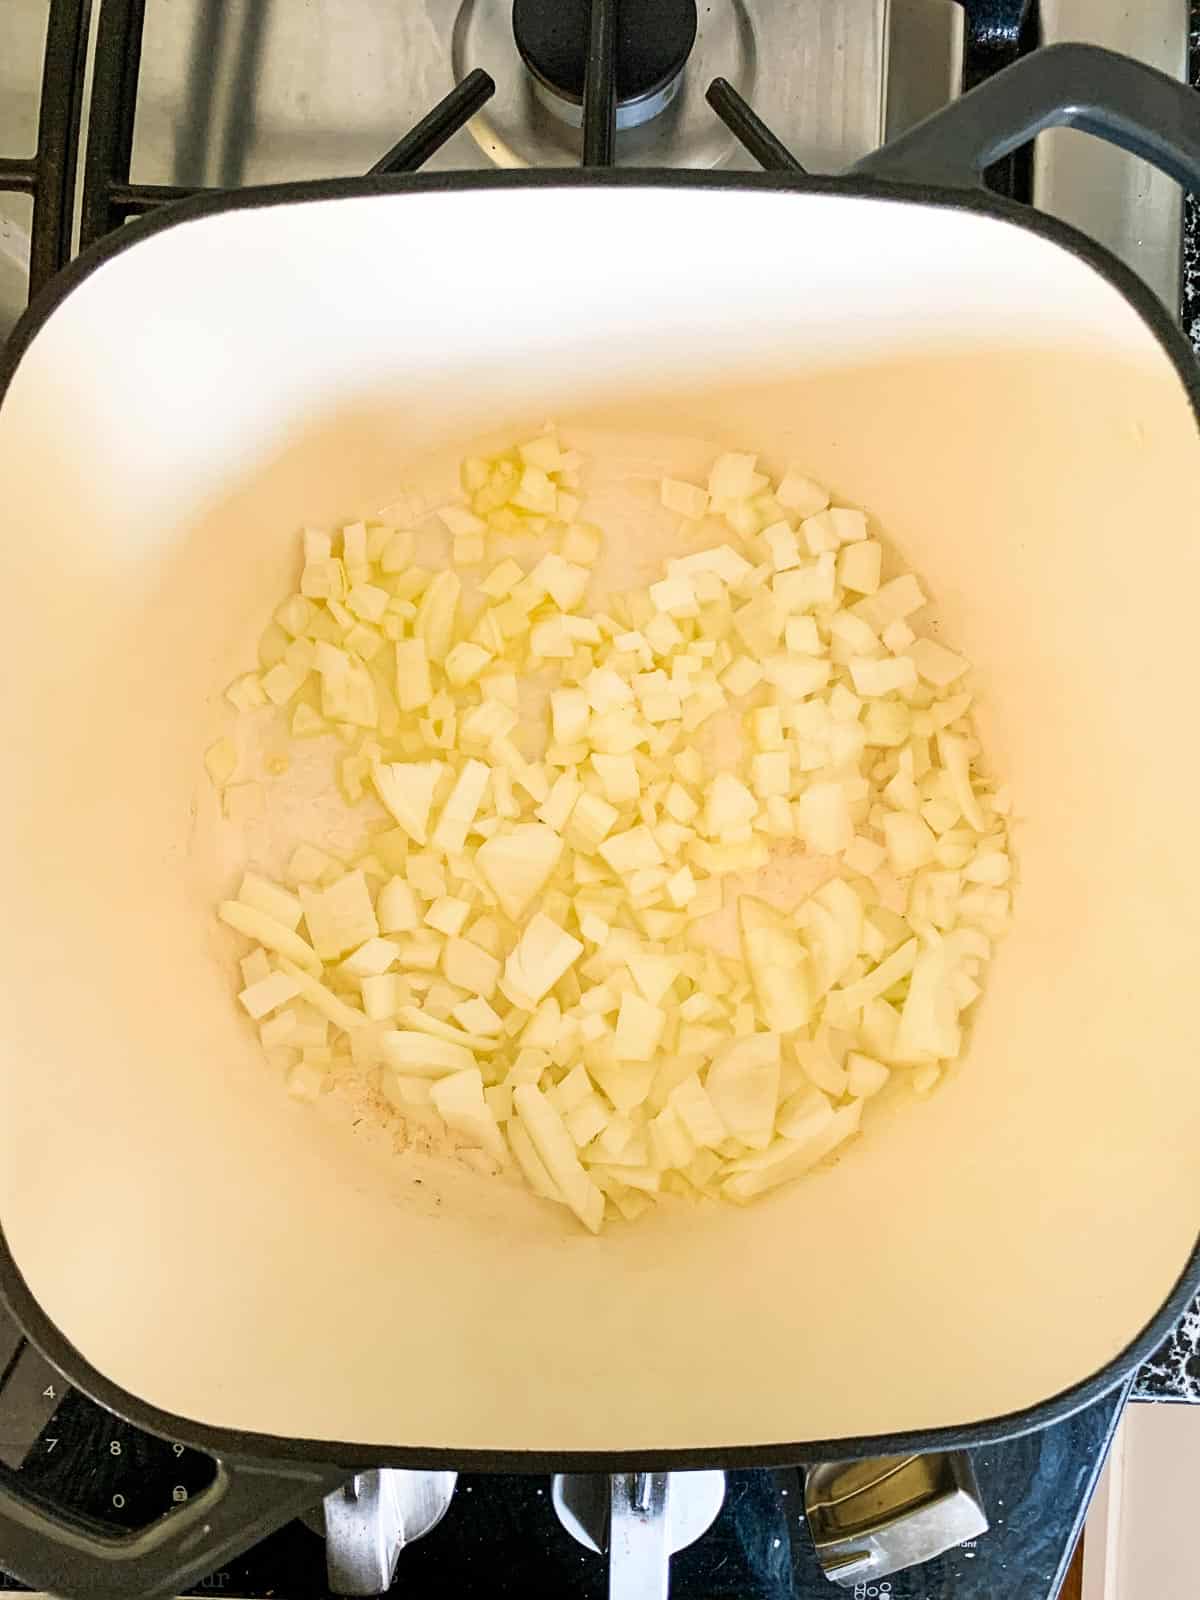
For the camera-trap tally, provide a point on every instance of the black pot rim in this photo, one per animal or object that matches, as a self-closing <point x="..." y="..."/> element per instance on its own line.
<point x="236" y="1444"/>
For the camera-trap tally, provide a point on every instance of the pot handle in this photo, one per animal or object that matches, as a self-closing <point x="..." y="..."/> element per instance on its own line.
<point x="1063" y="85"/>
<point x="245" y="1502"/>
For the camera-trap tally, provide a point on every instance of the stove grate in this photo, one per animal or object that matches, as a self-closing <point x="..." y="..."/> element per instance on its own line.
<point x="109" y="195"/>
<point x="49" y="174"/>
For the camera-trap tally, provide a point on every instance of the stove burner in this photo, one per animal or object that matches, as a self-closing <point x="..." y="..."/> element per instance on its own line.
<point x="654" y="40"/>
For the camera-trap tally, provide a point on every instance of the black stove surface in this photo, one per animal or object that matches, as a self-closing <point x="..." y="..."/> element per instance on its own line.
<point x="501" y="1536"/>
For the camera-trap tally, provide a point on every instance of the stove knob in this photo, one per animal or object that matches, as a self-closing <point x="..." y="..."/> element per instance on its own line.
<point x="870" y="1518"/>
<point x="370" y="1519"/>
<point x="641" y="1519"/>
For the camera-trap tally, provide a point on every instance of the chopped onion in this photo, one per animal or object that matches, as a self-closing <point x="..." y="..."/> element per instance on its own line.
<point x="524" y="951"/>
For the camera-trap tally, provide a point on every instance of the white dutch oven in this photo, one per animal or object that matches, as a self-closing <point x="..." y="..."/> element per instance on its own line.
<point x="215" y="1262"/>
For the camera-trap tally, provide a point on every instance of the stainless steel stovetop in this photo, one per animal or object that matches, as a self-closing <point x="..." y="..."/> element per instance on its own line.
<point x="235" y="92"/>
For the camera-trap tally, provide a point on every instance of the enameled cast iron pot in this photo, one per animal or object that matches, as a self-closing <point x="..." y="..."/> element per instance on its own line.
<point x="210" y="1260"/>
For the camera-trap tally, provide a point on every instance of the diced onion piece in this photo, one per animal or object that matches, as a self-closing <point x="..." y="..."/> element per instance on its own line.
<point x="465" y="662"/>
<point x="556" y="809"/>
<point x="732" y="477"/>
<point x="864" y="856"/>
<point x="414" y="686"/>
<point x="936" y="664"/>
<point x="833" y="920"/>
<point x="778" y="965"/>
<point x="255" y="967"/>
<point x="536" y="492"/>
<point x="812" y="584"/>
<point x="675" y="597"/>
<point x="556" y="1150"/>
<point x="246" y="693"/>
<point x="864" y="1075"/>
<point x="743" y="1085"/>
<point x="654" y="975"/>
<point x="693" y="1106"/>
<point x="368" y="602"/>
<point x="341" y="917"/>
<point x="859" y="566"/>
<point x="685" y="498"/>
<point x="796" y="676"/>
<point x="277" y="1031"/>
<point x="381" y="996"/>
<point x="843" y="1003"/>
<point x="804" y="1115"/>
<point x="783" y="545"/>
<point x="894" y="600"/>
<point x="458" y="520"/>
<point x="543" y="452"/>
<point x="897" y="675"/>
<point x="269" y="994"/>
<point x="371" y="959"/>
<point x="458" y="1100"/>
<point x="406" y="789"/>
<point x="419" y="1055"/>
<point x="531" y="1164"/>
<point x="821" y="532"/>
<point x="270" y="934"/>
<point x="542" y="955"/>
<point x="477" y="1016"/>
<point x="424" y="1022"/>
<point x="462" y="806"/>
<point x="517" y="862"/>
<point x="909" y="842"/>
<point x="953" y="753"/>
<point x="324" y="1000"/>
<point x="618" y="777"/>
<point x="722" y="562"/>
<point x="639" y="1029"/>
<point x="434" y="622"/>
<point x="470" y="968"/>
<point x="929" y="1019"/>
<point x="277" y="902"/>
<point x="788" y="1159"/>
<point x="800" y="494"/>
<point x="823" y="818"/>
<point x="397" y="907"/>
<point x="348" y="692"/>
<point x="629" y="851"/>
<point x="729" y="807"/>
<point x="404" y="1090"/>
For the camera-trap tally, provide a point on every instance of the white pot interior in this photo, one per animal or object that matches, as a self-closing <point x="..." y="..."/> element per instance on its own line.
<point x="237" y="1259"/>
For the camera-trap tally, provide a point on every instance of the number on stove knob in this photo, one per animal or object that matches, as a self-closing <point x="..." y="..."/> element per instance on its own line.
<point x="114" y="1448"/>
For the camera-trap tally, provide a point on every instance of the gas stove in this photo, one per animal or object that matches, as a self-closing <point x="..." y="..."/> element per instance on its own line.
<point x="1005" y="1518"/>
<point x="107" y="114"/>
<point x="149" y="99"/>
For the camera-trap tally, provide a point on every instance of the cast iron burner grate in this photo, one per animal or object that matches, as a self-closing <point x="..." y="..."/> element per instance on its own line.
<point x="612" y="62"/>
<point x="49" y="174"/>
<point x="109" y="198"/>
